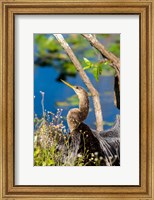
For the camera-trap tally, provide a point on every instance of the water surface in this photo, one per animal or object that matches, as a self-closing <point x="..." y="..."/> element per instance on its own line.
<point x="45" y="80"/>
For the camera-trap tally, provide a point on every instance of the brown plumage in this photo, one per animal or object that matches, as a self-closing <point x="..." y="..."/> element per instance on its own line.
<point x="81" y="135"/>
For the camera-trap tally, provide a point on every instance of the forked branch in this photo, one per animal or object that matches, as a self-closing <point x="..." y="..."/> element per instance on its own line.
<point x="110" y="56"/>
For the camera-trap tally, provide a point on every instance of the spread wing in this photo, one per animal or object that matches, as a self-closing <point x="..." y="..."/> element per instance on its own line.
<point x="110" y="143"/>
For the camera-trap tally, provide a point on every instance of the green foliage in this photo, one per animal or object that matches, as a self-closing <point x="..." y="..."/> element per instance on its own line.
<point x="69" y="68"/>
<point x="96" y="73"/>
<point x="97" y="69"/>
<point x="45" y="44"/>
<point x="48" y="52"/>
<point x="88" y="64"/>
<point x="107" y="69"/>
<point x="115" y="48"/>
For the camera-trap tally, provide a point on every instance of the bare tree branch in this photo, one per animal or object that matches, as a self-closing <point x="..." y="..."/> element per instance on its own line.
<point x="110" y="56"/>
<point x="86" y="80"/>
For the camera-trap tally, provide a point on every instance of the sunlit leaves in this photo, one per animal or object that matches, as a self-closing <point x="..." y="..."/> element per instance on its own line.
<point x="88" y="63"/>
<point x="97" y="69"/>
<point x="96" y="73"/>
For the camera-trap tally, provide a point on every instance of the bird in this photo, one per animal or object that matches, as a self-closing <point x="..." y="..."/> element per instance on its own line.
<point x="83" y="137"/>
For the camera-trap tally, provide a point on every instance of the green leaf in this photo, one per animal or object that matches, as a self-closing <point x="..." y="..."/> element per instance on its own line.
<point x="52" y="149"/>
<point x="89" y="64"/>
<point x="36" y="152"/>
<point x="69" y="68"/>
<point x="96" y="73"/>
<point x="100" y="68"/>
<point x="44" y="163"/>
<point x="87" y="67"/>
<point x="115" y="48"/>
<point x="51" y="162"/>
<point x="87" y="61"/>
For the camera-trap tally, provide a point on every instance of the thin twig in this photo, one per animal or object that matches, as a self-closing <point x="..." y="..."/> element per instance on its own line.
<point x="86" y="80"/>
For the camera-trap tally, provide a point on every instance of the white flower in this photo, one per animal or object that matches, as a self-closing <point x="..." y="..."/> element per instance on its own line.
<point x="79" y="155"/>
<point x="101" y="158"/>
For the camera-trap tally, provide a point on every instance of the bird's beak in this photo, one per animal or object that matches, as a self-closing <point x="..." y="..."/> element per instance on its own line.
<point x="68" y="84"/>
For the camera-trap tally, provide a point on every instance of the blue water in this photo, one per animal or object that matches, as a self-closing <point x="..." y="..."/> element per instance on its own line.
<point x="45" y="80"/>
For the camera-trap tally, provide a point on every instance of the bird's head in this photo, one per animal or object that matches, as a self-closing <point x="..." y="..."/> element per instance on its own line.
<point x="77" y="89"/>
<point x="83" y="102"/>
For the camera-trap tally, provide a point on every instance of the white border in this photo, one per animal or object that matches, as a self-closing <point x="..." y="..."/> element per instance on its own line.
<point x="128" y="172"/>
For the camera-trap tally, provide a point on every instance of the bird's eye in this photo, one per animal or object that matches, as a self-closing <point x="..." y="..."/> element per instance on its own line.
<point x="77" y="87"/>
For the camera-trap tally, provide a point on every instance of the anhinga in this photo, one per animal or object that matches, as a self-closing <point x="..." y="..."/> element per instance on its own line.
<point x="77" y="115"/>
<point x="83" y="137"/>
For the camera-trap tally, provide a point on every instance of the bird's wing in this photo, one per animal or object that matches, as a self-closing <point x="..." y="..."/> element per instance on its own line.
<point x="110" y="142"/>
<point x="114" y="131"/>
<point x="110" y="147"/>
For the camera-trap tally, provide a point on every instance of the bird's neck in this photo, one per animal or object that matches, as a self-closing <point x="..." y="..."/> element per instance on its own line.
<point x="84" y="106"/>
